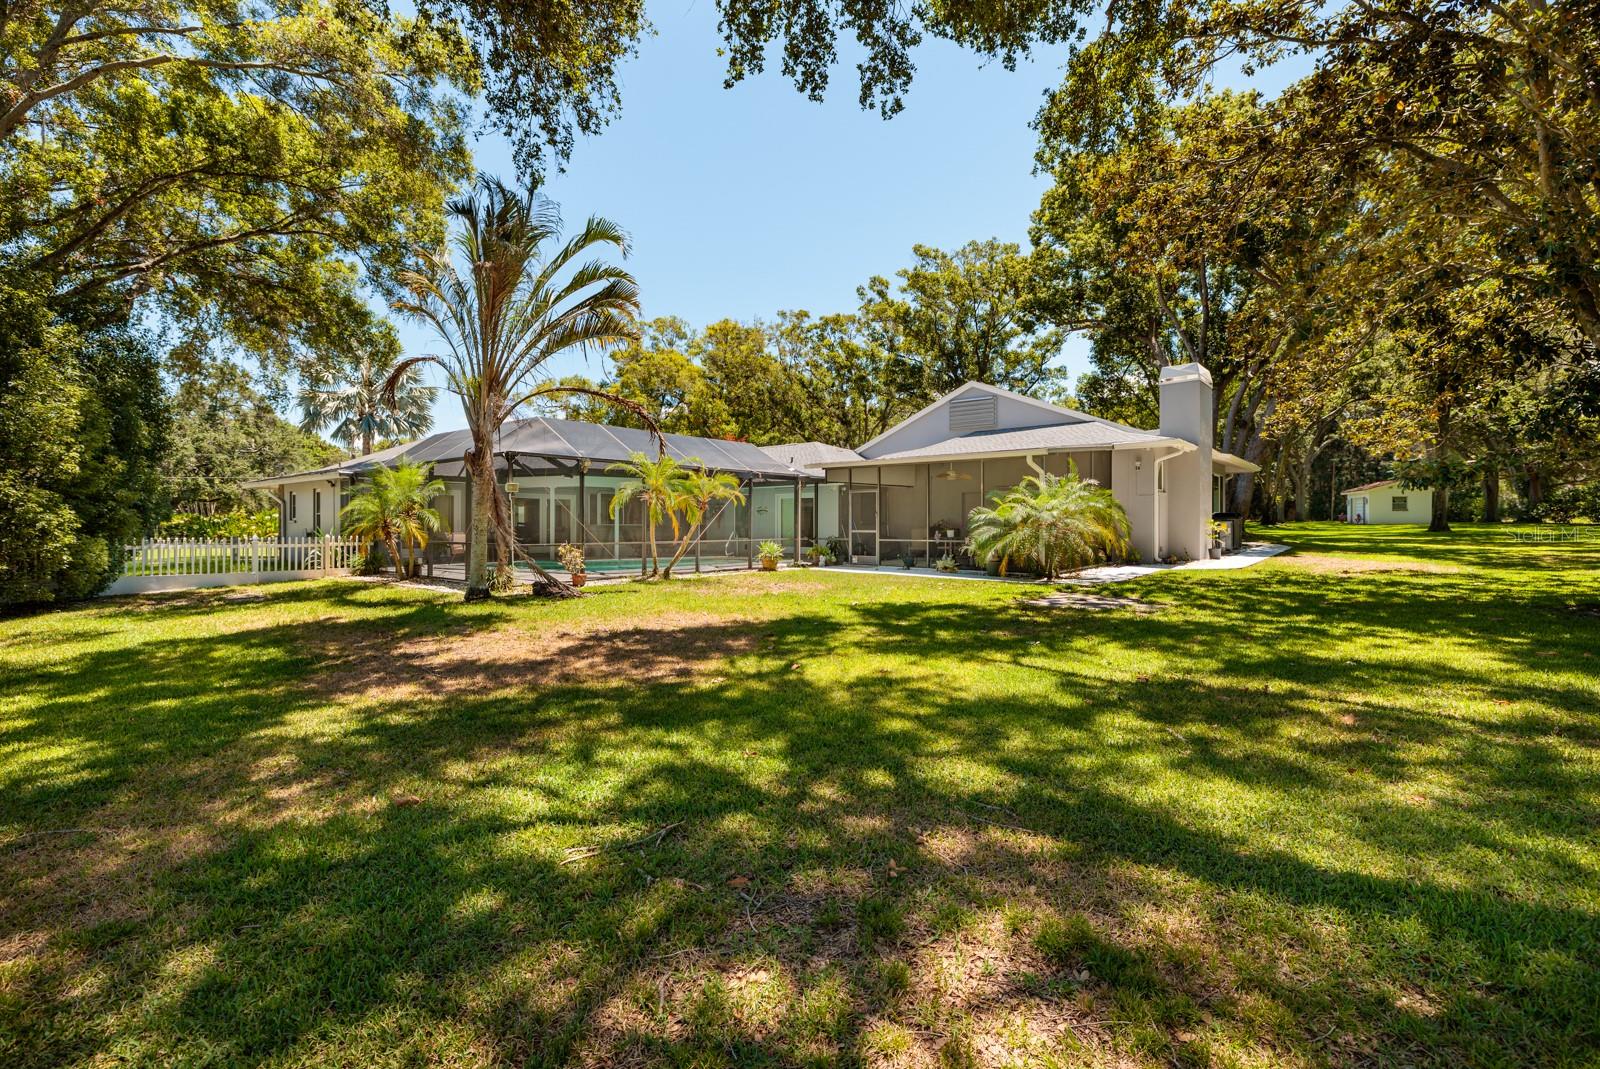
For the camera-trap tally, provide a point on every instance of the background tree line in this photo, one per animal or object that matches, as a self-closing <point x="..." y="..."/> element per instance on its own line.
<point x="841" y="378"/>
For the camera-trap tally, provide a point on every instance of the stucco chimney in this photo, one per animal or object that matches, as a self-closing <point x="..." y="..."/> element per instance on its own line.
<point x="1186" y="409"/>
<point x="1186" y="413"/>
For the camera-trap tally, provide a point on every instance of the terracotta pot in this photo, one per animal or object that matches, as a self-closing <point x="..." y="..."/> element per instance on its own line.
<point x="769" y="565"/>
<point x="579" y="578"/>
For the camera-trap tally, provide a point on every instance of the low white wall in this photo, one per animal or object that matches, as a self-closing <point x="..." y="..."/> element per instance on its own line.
<point x="156" y="584"/>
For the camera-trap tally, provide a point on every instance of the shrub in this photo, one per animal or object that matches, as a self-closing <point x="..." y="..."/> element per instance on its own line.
<point x="571" y="557"/>
<point x="235" y="523"/>
<point x="1055" y="523"/>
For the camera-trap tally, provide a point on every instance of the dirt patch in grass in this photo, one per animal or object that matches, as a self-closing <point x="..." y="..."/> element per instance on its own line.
<point x="1090" y="602"/>
<point x="673" y="646"/>
<point x="1320" y="562"/>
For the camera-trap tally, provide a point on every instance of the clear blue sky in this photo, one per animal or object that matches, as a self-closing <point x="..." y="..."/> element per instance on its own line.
<point x="745" y="201"/>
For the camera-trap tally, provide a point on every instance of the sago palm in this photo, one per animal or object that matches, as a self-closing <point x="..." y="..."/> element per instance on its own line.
<point x="659" y="486"/>
<point x="1058" y="523"/>
<point x="352" y="400"/>
<point x="701" y="489"/>
<point x="506" y="295"/>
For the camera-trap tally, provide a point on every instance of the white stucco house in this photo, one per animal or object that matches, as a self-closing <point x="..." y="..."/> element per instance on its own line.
<point x="905" y="494"/>
<point x="1385" y="502"/>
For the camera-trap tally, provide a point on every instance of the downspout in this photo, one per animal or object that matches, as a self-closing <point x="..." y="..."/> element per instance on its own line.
<point x="1034" y="464"/>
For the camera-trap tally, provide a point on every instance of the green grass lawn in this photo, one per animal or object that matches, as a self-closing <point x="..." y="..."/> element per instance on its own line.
<point x="1342" y="808"/>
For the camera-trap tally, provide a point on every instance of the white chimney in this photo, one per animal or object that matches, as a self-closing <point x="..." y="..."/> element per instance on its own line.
<point x="1186" y="408"/>
<point x="1187" y="414"/>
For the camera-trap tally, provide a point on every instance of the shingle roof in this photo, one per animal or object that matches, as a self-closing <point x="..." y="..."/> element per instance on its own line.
<point x="1379" y="485"/>
<point x="1095" y="435"/>
<point x="813" y="456"/>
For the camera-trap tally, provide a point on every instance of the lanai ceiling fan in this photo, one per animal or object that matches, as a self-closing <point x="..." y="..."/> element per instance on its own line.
<point x="950" y="474"/>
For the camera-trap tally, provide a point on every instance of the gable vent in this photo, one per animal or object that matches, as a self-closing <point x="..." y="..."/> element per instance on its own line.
<point x="973" y="414"/>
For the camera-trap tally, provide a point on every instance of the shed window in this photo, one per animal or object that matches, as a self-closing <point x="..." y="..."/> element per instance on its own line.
<point x="291" y="505"/>
<point x="1398" y="504"/>
<point x="316" y="510"/>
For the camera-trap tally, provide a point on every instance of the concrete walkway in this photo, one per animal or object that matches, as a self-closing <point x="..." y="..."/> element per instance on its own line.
<point x="1252" y="553"/>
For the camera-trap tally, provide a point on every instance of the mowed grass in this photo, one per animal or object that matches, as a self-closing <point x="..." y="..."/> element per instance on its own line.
<point x="1342" y="808"/>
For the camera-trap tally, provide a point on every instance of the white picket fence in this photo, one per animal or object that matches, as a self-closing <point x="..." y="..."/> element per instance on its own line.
<point x="190" y="563"/>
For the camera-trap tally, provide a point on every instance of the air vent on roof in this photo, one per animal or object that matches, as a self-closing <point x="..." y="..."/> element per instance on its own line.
<point x="973" y="414"/>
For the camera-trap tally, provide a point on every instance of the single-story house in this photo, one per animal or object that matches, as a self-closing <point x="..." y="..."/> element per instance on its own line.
<point x="1385" y="502"/>
<point x="907" y="492"/>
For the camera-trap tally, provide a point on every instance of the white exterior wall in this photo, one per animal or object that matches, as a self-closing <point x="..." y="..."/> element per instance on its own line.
<point x="1187" y="413"/>
<point x="1379" y="505"/>
<point x="297" y="513"/>
<point x="1133" y="484"/>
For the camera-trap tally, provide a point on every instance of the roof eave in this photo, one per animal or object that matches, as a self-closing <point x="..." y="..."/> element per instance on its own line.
<point x="1235" y="464"/>
<point x="1009" y="454"/>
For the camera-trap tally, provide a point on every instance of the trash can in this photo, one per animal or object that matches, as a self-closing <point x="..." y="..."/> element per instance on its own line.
<point x="1234" y="538"/>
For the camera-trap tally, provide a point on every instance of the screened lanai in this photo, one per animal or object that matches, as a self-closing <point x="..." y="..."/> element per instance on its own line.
<point x="557" y="478"/>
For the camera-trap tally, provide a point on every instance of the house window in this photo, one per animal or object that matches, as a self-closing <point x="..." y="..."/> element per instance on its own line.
<point x="1398" y="504"/>
<point x="316" y="510"/>
<point x="292" y="509"/>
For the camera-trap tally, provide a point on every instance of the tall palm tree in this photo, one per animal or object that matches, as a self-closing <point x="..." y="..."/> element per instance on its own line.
<point x="1059" y="523"/>
<point x="700" y="489"/>
<point x="659" y="485"/>
<point x="506" y="294"/>
<point x="394" y="507"/>
<point x="351" y="398"/>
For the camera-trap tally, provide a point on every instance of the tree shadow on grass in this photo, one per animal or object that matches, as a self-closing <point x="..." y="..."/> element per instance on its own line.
<point x="398" y="886"/>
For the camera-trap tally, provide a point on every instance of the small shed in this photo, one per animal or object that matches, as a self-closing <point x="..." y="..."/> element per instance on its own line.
<point x="1386" y="502"/>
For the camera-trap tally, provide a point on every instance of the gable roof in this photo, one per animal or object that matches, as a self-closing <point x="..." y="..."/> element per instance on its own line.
<point x="971" y="387"/>
<point x="1379" y="485"/>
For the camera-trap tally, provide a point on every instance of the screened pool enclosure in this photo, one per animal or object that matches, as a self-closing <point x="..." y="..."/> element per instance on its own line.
<point x="557" y="479"/>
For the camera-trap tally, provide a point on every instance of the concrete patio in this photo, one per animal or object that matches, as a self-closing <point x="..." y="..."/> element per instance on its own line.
<point x="1252" y="553"/>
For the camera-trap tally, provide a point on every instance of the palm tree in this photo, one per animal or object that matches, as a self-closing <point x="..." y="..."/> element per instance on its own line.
<point x="351" y="397"/>
<point x="506" y="295"/>
<point x="414" y="489"/>
<point x="659" y="485"/>
<point x="700" y="489"/>
<point x="1059" y="523"/>
<point x="393" y="507"/>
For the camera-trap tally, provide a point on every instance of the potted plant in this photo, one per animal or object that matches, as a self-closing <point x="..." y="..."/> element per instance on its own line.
<point x="992" y="565"/>
<point x="571" y="558"/>
<point x="947" y="563"/>
<point x="770" y="553"/>
<point x="1219" y="531"/>
<point x="909" y="559"/>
